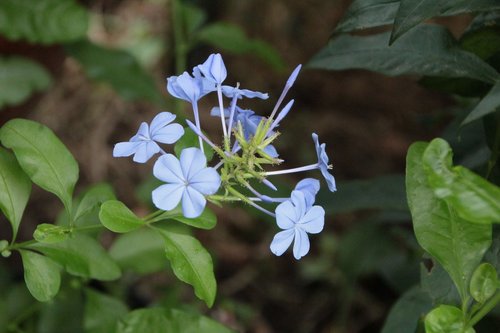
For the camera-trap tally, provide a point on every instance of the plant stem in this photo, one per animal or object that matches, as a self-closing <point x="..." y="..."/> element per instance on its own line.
<point x="488" y="306"/>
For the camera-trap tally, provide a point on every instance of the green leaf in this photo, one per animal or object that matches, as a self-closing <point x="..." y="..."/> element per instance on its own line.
<point x="363" y="14"/>
<point x="457" y="244"/>
<point x="446" y="319"/>
<point x="190" y="139"/>
<point x="50" y="233"/>
<point x="489" y="104"/>
<point x="146" y="256"/>
<point x="207" y="220"/>
<point x="438" y="284"/>
<point x="405" y="314"/>
<point x="115" y="216"/>
<point x="92" y="200"/>
<point x="191" y="263"/>
<point x="41" y="275"/>
<point x="118" y="68"/>
<point x="233" y="39"/>
<point x="471" y="196"/>
<point x="181" y="321"/>
<point x="484" y="282"/>
<point x="20" y="77"/>
<point x="43" y="21"/>
<point x="82" y="256"/>
<point x="15" y="189"/>
<point x="144" y="320"/>
<point x="102" y="312"/>
<point x="42" y="156"/>
<point x="426" y="50"/>
<point x="413" y="12"/>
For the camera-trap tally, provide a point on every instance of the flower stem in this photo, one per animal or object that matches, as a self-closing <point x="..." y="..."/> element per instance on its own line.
<point x="222" y="118"/>
<point x="488" y="306"/>
<point x="197" y="123"/>
<point x="293" y="170"/>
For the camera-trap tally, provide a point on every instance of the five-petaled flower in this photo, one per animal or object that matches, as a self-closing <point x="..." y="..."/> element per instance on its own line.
<point x="144" y="145"/>
<point x="188" y="179"/>
<point x="297" y="217"/>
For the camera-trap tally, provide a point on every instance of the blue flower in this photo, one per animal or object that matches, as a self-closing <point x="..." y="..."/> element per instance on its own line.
<point x="214" y="69"/>
<point x="189" y="88"/>
<point x="309" y="187"/>
<point x="188" y="179"/>
<point x="231" y="92"/>
<point x="323" y="163"/>
<point x="143" y="145"/>
<point x="297" y="219"/>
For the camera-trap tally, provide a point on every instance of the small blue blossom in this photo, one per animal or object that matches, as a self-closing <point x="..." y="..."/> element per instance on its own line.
<point x="144" y="145"/>
<point x="231" y="92"/>
<point x="189" y="88"/>
<point x="310" y="187"/>
<point x="188" y="179"/>
<point x="214" y="69"/>
<point x="297" y="219"/>
<point x="323" y="163"/>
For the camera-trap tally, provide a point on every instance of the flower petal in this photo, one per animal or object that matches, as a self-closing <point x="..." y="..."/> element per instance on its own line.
<point x="206" y="181"/>
<point x="310" y="187"/>
<point x="313" y="221"/>
<point x="142" y="133"/>
<point x="214" y="69"/>
<point x="286" y="215"/>
<point x="168" y="169"/>
<point x="192" y="161"/>
<point x="162" y="119"/>
<point x="299" y="201"/>
<point x="168" y="196"/>
<point x="141" y="154"/>
<point x="330" y="180"/>
<point x="282" y="241"/>
<point x="168" y="134"/>
<point x="301" y="245"/>
<point x="124" y="149"/>
<point x="193" y="203"/>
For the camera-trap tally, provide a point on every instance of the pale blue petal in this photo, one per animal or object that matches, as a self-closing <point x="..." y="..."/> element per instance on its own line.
<point x="299" y="201"/>
<point x="175" y="89"/>
<point x="168" y="196"/>
<point x="152" y="148"/>
<point x="162" y="119"/>
<point x="293" y="76"/>
<point x="301" y="245"/>
<point x="142" y="133"/>
<point x="192" y="161"/>
<point x="206" y="85"/>
<point x="310" y="187"/>
<point x="206" y="181"/>
<point x="330" y="180"/>
<point x="282" y="241"/>
<point x="215" y="112"/>
<point x="271" y="151"/>
<point x="168" y="134"/>
<point x="214" y="69"/>
<point x="230" y="92"/>
<point x="168" y="169"/>
<point x="316" y="144"/>
<point x="141" y="154"/>
<point x="286" y="215"/>
<point x="193" y="203"/>
<point x="124" y="149"/>
<point x="314" y="220"/>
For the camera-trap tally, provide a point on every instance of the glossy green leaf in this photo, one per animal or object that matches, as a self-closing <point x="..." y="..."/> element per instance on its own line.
<point x="471" y="196"/>
<point x="118" y="68"/>
<point x="363" y="14"/>
<point x="190" y="139"/>
<point x="50" y="233"/>
<point x="115" y="216"/>
<point x="446" y="319"/>
<point x="484" y="282"/>
<point x="41" y="275"/>
<point x="43" y="157"/>
<point x="406" y="313"/>
<point x="43" y="21"/>
<point x="489" y="104"/>
<point x="102" y="312"/>
<point x="144" y="320"/>
<point x="191" y="263"/>
<point x="92" y="200"/>
<point x="457" y="244"/>
<point x="233" y="39"/>
<point x="147" y="255"/>
<point x="82" y="256"/>
<point x="19" y="78"/>
<point x="412" y="12"/>
<point x="426" y="50"/>
<point x="15" y="189"/>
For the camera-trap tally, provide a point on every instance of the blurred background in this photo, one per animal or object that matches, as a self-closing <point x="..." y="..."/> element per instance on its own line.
<point x="98" y="68"/>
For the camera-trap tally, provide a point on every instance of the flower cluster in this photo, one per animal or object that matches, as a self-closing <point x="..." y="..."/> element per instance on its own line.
<point x="246" y="149"/>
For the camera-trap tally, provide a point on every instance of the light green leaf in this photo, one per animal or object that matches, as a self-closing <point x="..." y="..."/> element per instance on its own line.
<point x="446" y="319"/>
<point x="489" y="104"/>
<point x="41" y="275"/>
<point x="471" y="196"/>
<point x="50" y="233"/>
<point x="115" y="216"/>
<point x="413" y="12"/>
<point x="43" y="21"/>
<point x="232" y="39"/>
<point x="426" y="50"/>
<point x="144" y="320"/>
<point x="118" y="68"/>
<point x="19" y="78"/>
<point x="15" y="189"/>
<point x="147" y="255"/>
<point x="363" y="14"/>
<point x="484" y="282"/>
<point x="93" y="198"/>
<point x="102" y="312"/>
<point x="190" y="139"/>
<point x="455" y="243"/>
<point x="82" y="256"/>
<point x="191" y="263"/>
<point x="405" y="314"/>
<point x="42" y="156"/>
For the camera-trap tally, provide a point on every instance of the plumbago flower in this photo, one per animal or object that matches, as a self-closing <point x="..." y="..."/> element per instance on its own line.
<point x="247" y="148"/>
